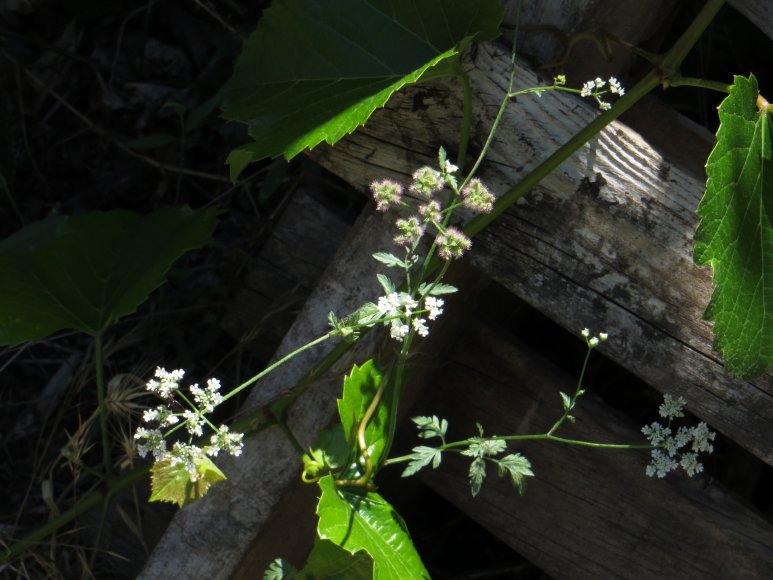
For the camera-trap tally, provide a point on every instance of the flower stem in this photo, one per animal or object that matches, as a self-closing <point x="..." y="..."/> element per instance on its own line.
<point x="278" y="363"/>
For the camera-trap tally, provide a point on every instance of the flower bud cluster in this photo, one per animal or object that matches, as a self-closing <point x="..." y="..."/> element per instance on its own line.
<point x="679" y="448"/>
<point x="151" y="439"/>
<point x="425" y="186"/>
<point x="593" y="341"/>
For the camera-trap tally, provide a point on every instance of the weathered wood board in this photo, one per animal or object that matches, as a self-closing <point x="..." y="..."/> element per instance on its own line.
<point x="209" y="538"/>
<point x="587" y="513"/>
<point x="604" y="241"/>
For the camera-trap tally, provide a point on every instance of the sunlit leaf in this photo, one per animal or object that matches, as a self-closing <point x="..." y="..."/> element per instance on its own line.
<point x="735" y="236"/>
<point x="314" y="71"/>
<point x="358" y="520"/>
<point x="172" y="483"/>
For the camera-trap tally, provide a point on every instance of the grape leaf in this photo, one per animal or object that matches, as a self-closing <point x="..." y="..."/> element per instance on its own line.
<point x="356" y="520"/>
<point x="735" y="235"/>
<point x="173" y="483"/>
<point x="85" y="272"/>
<point x="314" y="71"/>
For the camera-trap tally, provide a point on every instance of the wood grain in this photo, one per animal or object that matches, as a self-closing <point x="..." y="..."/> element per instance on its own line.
<point x="588" y="513"/>
<point x="605" y="241"/>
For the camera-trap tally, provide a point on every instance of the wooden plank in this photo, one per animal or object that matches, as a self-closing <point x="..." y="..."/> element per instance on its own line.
<point x="604" y="241"/>
<point x="588" y="513"/>
<point x="759" y="13"/>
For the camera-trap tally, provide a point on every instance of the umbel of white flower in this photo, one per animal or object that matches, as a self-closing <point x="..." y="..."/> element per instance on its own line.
<point x="399" y="310"/>
<point x="680" y="448"/>
<point x="151" y="439"/>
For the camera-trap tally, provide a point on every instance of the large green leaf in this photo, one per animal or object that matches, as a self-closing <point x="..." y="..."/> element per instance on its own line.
<point x="358" y="520"/>
<point x="735" y="235"/>
<point x="85" y="272"/>
<point x="314" y="71"/>
<point x="360" y="388"/>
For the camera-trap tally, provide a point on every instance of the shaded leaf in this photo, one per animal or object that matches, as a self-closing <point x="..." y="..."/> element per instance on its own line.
<point x="356" y="521"/>
<point x="735" y="235"/>
<point x="329" y="561"/>
<point x="84" y="273"/>
<point x="308" y="75"/>
<point x="518" y="467"/>
<point x="477" y="474"/>
<point x="172" y="483"/>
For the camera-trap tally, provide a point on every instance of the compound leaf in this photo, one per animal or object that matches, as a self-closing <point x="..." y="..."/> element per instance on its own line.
<point x="735" y="235"/>
<point x="314" y="71"/>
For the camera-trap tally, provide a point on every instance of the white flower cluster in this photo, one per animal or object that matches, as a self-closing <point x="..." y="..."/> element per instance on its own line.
<point x="680" y="448"/>
<point x="400" y="308"/>
<point x="595" y="88"/>
<point x="152" y="440"/>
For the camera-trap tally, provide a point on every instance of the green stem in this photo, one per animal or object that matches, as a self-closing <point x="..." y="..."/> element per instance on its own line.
<point x="577" y="392"/>
<point x="464" y="134"/>
<point x="680" y="81"/>
<point x="480" y="222"/>
<point x="107" y="461"/>
<point x="278" y="363"/>
<point x="679" y="51"/>
<point x="529" y="437"/>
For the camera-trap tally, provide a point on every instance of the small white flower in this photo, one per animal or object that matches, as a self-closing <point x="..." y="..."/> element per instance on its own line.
<point x="701" y="435"/>
<point x="587" y="89"/>
<point x="671" y="407"/>
<point x="615" y="86"/>
<point x="603" y="336"/>
<point x="398" y="331"/>
<point x="434" y="305"/>
<point x="690" y="464"/>
<point x="387" y="305"/>
<point x="154" y="443"/>
<point x="409" y="304"/>
<point x="225" y="440"/>
<point x="194" y="423"/>
<point x="162" y="414"/>
<point x="167" y="384"/>
<point x="593" y="341"/>
<point x="208" y="398"/>
<point x="450" y="167"/>
<point x="660" y="464"/>
<point x="599" y="82"/>
<point x="420" y="326"/>
<point x="585" y="332"/>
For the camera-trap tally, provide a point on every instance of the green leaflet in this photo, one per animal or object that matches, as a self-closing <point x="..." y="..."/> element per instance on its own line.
<point x="735" y="235"/>
<point x="85" y="272"/>
<point x="356" y="520"/>
<point x="314" y="71"/>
